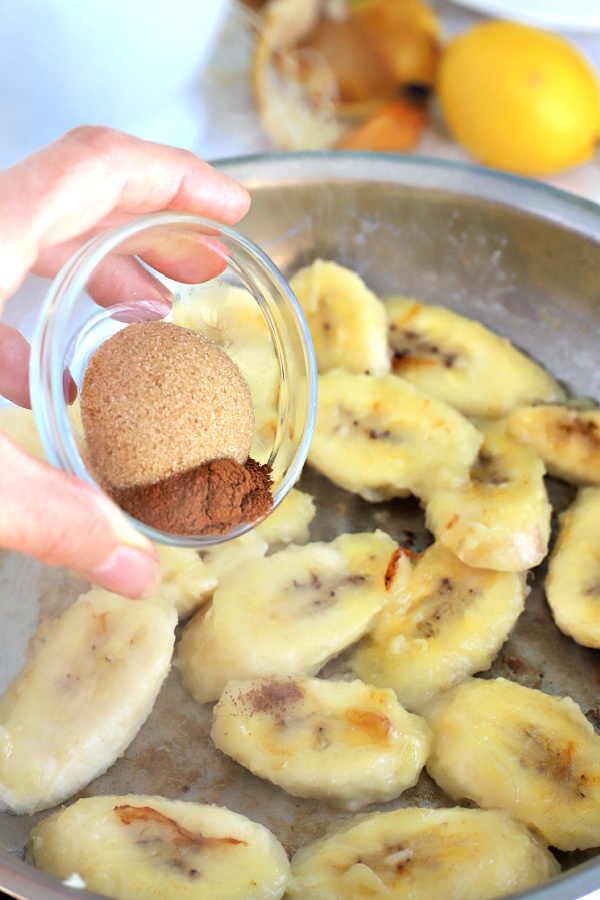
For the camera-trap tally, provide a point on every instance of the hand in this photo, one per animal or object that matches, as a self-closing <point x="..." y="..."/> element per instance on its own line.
<point x="50" y="204"/>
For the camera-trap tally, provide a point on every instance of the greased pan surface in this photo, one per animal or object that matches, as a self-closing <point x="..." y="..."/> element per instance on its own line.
<point x="522" y="258"/>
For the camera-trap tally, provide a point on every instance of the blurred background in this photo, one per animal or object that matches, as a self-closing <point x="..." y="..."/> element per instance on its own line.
<point x="224" y="78"/>
<point x="439" y="78"/>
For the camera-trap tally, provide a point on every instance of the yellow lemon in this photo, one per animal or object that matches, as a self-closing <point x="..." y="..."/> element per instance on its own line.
<point x="519" y="99"/>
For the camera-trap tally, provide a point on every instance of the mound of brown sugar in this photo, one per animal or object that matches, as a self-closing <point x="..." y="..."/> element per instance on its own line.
<point x="158" y="399"/>
<point x="209" y="499"/>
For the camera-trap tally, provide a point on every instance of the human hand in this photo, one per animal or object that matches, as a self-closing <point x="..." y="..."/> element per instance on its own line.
<point x="50" y="204"/>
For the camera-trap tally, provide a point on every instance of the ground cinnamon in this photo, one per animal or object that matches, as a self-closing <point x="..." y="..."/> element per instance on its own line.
<point x="209" y="499"/>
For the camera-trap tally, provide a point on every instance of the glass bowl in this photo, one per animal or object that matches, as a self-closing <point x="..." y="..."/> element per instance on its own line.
<point x="221" y="285"/>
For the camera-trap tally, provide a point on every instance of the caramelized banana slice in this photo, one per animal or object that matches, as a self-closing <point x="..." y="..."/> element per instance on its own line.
<point x="462" y="362"/>
<point x="441" y="624"/>
<point x="567" y="439"/>
<point x="287" y="614"/>
<point x="79" y="703"/>
<point x="190" y="577"/>
<point x="382" y="438"/>
<point x="347" y="321"/>
<point x="347" y="743"/>
<point x="289" y="522"/>
<point x="422" y="854"/>
<point x="573" y="579"/>
<point x="511" y="747"/>
<point x="134" y="847"/>
<point x="186" y="581"/>
<point x="500" y="518"/>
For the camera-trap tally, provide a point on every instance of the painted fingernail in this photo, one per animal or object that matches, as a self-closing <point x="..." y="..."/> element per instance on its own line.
<point x="157" y="301"/>
<point x="129" y="572"/>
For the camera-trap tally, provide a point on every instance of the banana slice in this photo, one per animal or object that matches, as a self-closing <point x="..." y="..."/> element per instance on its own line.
<point x="19" y="425"/>
<point x="566" y="438"/>
<point x="347" y="321"/>
<point x="79" y="703"/>
<point x="462" y="362"/>
<point x="422" y="854"/>
<point x="186" y="582"/>
<point x="231" y="317"/>
<point x="511" y="747"/>
<point x="223" y="559"/>
<point x="289" y="522"/>
<point x="500" y="518"/>
<point x="190" y="577"/>
<point x="382" y="438"/>
<point x="573" y="580"/>
<point x="344" y="742"/>
<point x="134" y="847"/>
<point x="287" y="614"/>
<point x="441" y="623"/>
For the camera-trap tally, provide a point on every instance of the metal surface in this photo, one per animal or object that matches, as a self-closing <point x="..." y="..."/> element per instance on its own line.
<point x="522" y="258"/>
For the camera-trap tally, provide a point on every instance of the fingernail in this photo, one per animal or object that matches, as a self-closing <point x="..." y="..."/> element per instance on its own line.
<point x="129" y="572"/>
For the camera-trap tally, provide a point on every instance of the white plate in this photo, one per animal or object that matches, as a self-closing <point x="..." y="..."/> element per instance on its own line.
<point x="565" y="15"/>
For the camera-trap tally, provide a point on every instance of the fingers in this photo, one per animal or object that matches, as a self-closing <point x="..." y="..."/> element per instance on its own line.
<point x="14" y="366"/>
<point x="14" y="369"/>
<point x="99" y="177"/>
<point x="121" y="278"/>
<point x="116" y="280"/>
<point x="62" y="521"/>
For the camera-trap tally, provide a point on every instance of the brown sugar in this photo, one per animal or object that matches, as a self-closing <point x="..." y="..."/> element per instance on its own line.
<point x="209" y="499"/>
<point x="158" y="400"/>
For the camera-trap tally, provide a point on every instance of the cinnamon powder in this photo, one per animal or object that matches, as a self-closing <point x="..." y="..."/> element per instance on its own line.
<point x="210" y="498"/>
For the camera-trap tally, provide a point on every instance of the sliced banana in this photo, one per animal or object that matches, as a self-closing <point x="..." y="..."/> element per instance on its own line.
<point x="515" y="748"/>
<point x="289" y="522"/>
<point x="382" y="438"/>
<point x="134" y="847"/>
<point x="79" y="703"/>
<point x="566" y="438"/>
<point x="19" y="425"/>
<point x="231" y="317"/>
<point x="230" y="311"/>
<point x="345" y="742"/>
<point x="499" y="518"/>
<point x="230" y="556"/>
<point x="286" y="614"/>
<point x="462" y="362"/>
<point x="573" y="580"/>
<point x="190" y="577"/>
<point x="422" y="854"/>
<point x="347" y="321"/>
<point x="186" y="581"/>
<point x="443" y="622"/>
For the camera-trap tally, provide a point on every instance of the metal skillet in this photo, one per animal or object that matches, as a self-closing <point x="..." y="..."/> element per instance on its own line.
<point x="521" y="257"/>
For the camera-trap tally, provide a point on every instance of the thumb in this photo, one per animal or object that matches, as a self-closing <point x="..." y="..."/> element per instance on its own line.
<point x="63" y="521"/>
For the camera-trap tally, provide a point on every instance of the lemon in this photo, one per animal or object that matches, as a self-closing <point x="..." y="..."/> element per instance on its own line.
<point x="519" y="99"/>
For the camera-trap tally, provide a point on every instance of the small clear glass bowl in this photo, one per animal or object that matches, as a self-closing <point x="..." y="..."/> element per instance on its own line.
<point x="247" y="308"/>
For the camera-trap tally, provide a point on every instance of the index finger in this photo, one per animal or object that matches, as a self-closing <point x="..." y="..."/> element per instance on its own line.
<point x="99" y="177"/>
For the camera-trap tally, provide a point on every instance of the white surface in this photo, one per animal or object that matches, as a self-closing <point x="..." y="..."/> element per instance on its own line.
<point x="131" y="64"/>
<point x="569" y="15"/>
